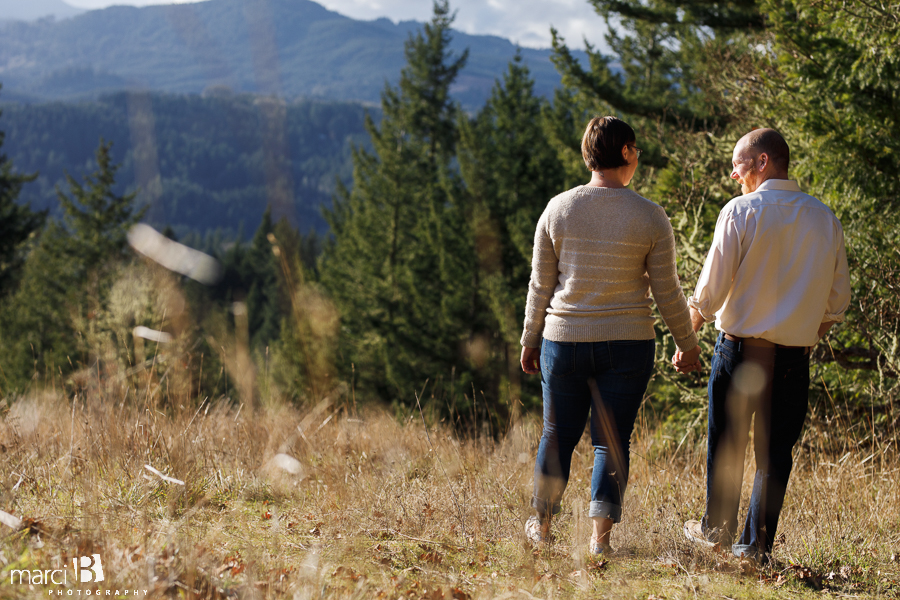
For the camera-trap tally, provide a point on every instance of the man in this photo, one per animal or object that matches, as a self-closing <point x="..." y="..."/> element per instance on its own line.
<point x="775" y="281"/>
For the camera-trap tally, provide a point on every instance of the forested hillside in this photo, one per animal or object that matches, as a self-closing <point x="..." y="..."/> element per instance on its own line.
<point x="284" y="47"/>
<point x="421" y="282"/>
<point x="198" y="163"/>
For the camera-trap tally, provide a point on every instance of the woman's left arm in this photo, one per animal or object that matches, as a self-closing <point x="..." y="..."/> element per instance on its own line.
<point x="666" y="286"/>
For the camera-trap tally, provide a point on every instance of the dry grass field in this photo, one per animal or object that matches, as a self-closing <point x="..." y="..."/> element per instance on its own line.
<point x="327" y="502"/>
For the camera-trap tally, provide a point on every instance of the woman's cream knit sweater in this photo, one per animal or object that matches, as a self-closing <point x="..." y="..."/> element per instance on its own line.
<point x="598" y="253"/>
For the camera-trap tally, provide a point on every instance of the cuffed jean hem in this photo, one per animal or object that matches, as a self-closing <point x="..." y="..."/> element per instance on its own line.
<point x="716" y="535"/>
<point x="543" y="507"/>
<point x="745" y="551"/>
<point x="605" y="510"/>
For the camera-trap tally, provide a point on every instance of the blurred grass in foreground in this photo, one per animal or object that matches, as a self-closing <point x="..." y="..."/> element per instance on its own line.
<point x="377" y="507"/>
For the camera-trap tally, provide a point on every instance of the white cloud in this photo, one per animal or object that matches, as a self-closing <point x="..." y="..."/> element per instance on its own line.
<point x="526" y="22"/>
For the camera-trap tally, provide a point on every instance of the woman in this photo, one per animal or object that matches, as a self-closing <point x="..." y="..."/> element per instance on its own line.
<point x="599" y="250"/>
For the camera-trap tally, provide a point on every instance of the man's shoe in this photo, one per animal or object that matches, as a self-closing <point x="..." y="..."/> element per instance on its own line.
<point x="693" y="530"/>
<point x="537" y="532"/>
<point x="604" y="550"/>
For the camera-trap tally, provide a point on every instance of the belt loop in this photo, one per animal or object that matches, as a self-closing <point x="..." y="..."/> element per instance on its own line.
<point x="738" y="341"/>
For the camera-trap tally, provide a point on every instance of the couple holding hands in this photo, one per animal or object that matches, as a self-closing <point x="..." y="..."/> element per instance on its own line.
<point x="774" y="281"/>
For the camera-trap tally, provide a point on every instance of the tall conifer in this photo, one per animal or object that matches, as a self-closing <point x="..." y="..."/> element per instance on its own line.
<point x="396" y="266"/>
<point x="510" y="172"/>
<point x="17" y="223"/>
<point x="66" y="278"/>
<point x="260" y="275"/>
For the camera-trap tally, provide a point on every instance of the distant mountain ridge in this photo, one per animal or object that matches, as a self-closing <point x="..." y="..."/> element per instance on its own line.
<point x="29" y="10"/>
<point x="197" y="163"/>
<point x="293" y="48"/>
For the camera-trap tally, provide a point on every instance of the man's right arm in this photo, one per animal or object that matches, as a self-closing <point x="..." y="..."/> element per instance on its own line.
<point x="824" y="327"/>
<point x="697" y="320"/>
<point x="721" y="264"/>
<point x="714" y="284"/>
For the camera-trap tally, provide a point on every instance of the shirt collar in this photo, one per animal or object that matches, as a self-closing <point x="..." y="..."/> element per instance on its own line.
<point x="787" y="185"/>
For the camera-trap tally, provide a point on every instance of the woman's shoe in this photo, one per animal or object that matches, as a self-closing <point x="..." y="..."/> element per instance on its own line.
<point x="693" y="530"/>
<point x="537" y="532"/>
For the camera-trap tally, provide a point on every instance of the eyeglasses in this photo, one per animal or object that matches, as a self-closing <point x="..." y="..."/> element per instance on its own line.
<point x="638" y="150"/>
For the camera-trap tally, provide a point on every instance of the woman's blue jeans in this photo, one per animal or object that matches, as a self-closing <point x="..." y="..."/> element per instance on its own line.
<point x="605" y="381"/>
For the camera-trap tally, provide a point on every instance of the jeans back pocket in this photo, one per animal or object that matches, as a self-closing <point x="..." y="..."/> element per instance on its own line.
<point x="557" y="358"/>
<point x="632" y="358"/>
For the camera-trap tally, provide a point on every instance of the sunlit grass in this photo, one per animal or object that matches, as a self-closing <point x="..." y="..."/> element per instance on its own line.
<point x="380" y="509"/>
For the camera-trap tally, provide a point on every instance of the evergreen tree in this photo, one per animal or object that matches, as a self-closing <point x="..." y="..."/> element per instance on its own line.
<point x="260" y="274"/>
<point x="252" y="274"/>
<point x="17" y="223"/>
<point x="833" y="71"/>
<point x="96" y="219"/>
<point x="720" y="16"/>
<point x="45" y="325"/>
<point x="398" y="264"/>
<point x="664" y="51"/>
<point x="510" y="172"/>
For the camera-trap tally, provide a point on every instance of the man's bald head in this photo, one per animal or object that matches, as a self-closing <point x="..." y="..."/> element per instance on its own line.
<point x="771" y="143"/>
<point x="759" y="156"/>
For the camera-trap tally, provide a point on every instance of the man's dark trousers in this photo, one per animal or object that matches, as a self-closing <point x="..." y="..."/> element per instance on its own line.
<point x="774" y="384"/>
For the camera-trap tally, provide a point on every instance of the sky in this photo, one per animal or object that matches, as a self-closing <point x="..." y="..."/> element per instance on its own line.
<point x="526" y="22"/>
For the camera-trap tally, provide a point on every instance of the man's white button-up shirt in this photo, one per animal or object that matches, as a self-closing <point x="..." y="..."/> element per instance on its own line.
<point x="777" y="268"/>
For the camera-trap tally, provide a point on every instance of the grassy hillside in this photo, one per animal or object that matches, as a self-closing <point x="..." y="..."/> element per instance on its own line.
<point x="289" y="47"/>
<point x="324" y="502"/>
<point x="200" y="162"/>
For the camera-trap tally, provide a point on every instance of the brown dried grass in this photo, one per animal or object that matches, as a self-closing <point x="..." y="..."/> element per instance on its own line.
<point x="383" y="507"/>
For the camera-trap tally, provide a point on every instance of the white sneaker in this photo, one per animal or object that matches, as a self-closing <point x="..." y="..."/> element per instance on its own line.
<point x="693" y="530"/>
<point x="536" y="532"/>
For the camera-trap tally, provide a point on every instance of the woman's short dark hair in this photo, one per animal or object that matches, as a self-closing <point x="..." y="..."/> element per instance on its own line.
<point x="602" y="143"/>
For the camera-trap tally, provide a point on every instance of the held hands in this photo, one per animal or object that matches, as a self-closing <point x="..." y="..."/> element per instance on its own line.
<point x="685" y="362"/>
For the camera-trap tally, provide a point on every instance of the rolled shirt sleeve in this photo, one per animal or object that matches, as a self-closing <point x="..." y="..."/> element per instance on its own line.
<point x="718" y="271"/>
